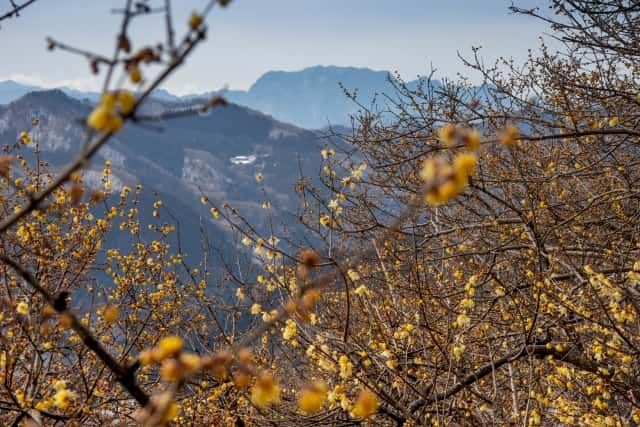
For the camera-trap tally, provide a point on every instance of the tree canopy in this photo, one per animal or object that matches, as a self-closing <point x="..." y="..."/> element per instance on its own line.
<point x="470" y="258"/>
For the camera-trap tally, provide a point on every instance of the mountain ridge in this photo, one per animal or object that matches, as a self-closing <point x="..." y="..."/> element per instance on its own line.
<point x="311" y="98"/>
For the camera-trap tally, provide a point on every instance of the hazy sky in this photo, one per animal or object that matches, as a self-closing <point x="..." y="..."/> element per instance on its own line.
<point x="251" y="37"/>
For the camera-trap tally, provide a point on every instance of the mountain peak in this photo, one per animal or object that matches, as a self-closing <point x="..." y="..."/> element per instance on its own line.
<point x="330" y="73"/>
<point x="313" y="97"/>
<point x="55" y="99"/>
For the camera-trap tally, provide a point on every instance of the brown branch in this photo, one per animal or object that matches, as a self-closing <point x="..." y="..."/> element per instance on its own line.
<point x="16" y="9"/>
<point x="567" y="356"/>
<point x="122" y="374"/>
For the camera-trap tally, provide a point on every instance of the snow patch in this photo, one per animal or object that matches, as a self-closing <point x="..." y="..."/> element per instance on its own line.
<point x="243" y="160"/>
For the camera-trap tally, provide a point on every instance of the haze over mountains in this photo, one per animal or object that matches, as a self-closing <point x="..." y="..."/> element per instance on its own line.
<point x="311" y="98"/>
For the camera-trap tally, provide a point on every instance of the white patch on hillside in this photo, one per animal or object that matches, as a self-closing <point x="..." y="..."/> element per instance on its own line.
<point x="243" y="160"/>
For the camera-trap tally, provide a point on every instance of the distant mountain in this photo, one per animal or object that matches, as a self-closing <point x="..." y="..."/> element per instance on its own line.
<point x="217" y="154"/>
<point x="10" y="90"/>
<point x="314" y="97"/>
<point x="311" y="98"/>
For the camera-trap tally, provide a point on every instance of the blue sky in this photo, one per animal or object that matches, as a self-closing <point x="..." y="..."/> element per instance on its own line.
<point x="251" y="37"/>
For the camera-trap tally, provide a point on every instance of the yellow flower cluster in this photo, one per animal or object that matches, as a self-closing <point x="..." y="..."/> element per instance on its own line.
<point x="195" y="21"/>
<point x="458" y="351"/>
<point x="509" y="135"/>
<point x="366" y="404"/>
<point x="22" y="308"/>
<point x="25" y="138"/>
<point x="63" y="397"/>
<point x="173" y="370"/>
<point x="166" y="347"/>
<point x="312" y="397"/>
<point x="135" y="74"/>
<point x="327" y="152"/>
<point x="444" y="181"/>
<point x="447" y="133"/>
<point x="266" y="391"/>
<point x="451" y="134"/>
<point x="463" y="320"/>
<point x="107" y="116"/>
<point x="325" y="221"/>
<point x="176" y="363"/>
<point x="362" y="290"/>
<point x="290" y="330"/>
<point x="111" y="313"/>
<point x="346" y="367"/>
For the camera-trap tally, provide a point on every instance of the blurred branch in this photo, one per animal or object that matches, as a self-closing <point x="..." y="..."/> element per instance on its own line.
<point x="15" y="11"/>
<point x="186" y="47"/>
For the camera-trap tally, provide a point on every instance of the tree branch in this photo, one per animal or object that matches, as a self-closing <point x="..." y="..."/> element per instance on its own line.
<point x="122" y="374"/>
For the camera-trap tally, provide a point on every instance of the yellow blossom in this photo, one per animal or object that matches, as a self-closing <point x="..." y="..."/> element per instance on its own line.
<point x="126" y="100"/>
<point x="391" y="363"/>
<point x="289" y="330"/>
<point x="463" y="320"/>
<point x="346" y="368"/>
<point x="190" y="362"/>
<point x="366" y="404"/>
<point x="312" y="397"/>
<point x="325" y="221"/>
<point x="59" y="384"/>
<point x="171" y="370"/>
<point x="168" y="347"/>
<point x="326" y="153"/>
<point x="471" y="139"/>
<point x="464" y="164"/>
<point x="111" y="313"/>
<point x="25" y="138"/>
<point x="195" y="21"/>
<point x="265" y="392"/>
<point x="361" y="290"/>
<point x="62" y="398"/>
<point x="104" y="120"/>
<point x="447" y="133"/>
<point x="353" y="275"/>
<point x="22" y="308"/>
<point x="509" y="135"/>
<point x="135" y="74"/>
<point x="458" y="350"/>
